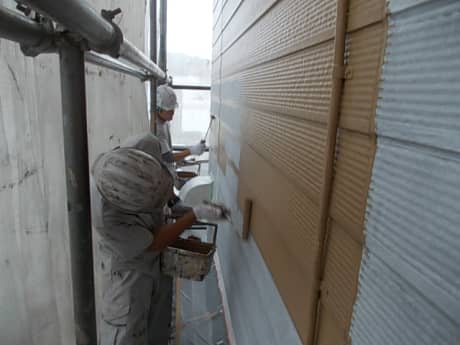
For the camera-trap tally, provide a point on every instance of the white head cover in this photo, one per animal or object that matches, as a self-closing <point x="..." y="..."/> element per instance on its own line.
<point x="166" y="98"/>
<point x="132" y="180"/>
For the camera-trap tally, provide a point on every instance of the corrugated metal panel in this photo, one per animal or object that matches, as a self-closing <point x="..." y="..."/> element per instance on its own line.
<point x="419" y="98"/>
<point x="285" y="28"/>
<point x="354" y="156"/>
<point x="364" y="51"/>
<point x="389" y="310"/>
<point x="298" y="85"/>
<point x="409" y="280"/>
<point x="415" y="194"/>
<point x="365" y="12"/>
<point x="339" y="285"/>
<point x="273" y="135"/>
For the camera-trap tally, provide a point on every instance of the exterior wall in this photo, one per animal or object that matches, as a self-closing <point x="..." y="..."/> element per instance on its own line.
<point x="409" y="285"/>
<point x="35" y="288"/>
<point x="365" y="41"/>
<point x="271" y="92"/>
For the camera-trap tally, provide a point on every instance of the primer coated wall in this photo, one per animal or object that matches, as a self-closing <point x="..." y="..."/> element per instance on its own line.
<point x="271" y="91"/>
<point x="391" y="241"/>
<point x="409" y="282"/>
<point x="35" y="285"/>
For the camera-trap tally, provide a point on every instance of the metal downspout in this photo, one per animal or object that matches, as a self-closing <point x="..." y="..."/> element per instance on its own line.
<point x="72" y="72"/>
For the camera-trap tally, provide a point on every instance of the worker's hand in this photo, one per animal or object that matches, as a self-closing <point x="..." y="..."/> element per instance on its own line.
<point x="209" y="212"/>
<point x="179" y="209"/>
<point x="197" y="149"/>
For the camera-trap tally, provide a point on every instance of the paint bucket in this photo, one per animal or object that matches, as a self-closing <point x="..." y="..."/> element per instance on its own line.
<point x="189" y="258"/>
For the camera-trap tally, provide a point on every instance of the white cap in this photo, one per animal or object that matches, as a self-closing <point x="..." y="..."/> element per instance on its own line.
<point x="166" y="98"/>
<point x="132" y="180"/>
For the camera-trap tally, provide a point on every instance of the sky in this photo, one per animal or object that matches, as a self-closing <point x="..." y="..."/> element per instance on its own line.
<point x="190" y="27"/>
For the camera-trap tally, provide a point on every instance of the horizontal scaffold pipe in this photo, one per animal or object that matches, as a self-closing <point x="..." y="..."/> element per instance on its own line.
<point x="80" y="17"/>
<point x="14" y="26"/>
<point x="116" y="65"/>
<point x="102" y="35"/>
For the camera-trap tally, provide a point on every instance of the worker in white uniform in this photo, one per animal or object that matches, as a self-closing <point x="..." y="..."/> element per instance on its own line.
<point x="130" y="187"/>
<point x="166" y="105"/>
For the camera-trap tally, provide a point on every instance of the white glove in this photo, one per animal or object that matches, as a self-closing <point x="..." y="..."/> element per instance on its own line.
<point x="197" y="149"/>
<point x="208" y="212"/>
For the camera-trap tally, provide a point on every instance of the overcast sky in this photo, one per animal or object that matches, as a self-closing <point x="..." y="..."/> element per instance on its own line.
<point x="190" y="27"/>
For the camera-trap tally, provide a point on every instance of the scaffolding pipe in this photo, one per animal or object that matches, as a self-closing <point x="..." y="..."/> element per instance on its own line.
<point x="79" y="16"/>
<point x="153" y="57"/>
<point x="115" y="65"/>
<point x="130" y="53"/>
<point x="14" y="26"/>
<point x="102" y="35"/>
<point x="72" y="72"/>
<point x="191" y="87"/>
<point x="162" y="60"/>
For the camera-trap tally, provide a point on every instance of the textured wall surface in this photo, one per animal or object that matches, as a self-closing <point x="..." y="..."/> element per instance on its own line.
<point x="409" y="279"/>
<point x="271" y="91"/>
<point x="35" y="286"/>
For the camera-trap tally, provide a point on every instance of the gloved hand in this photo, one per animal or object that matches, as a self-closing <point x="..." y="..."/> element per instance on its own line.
<point x="179" y="209"/>
<point x="197" y="149"/>
<point x="209" y="212"/>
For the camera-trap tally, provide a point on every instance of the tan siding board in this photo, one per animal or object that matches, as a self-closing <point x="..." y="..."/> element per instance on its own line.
<point x="286" y="25"/>
<point x="297" y="85"/>
<point x="351" y="181"/>
<point x="283" y="201"/>
<point x="363" y="60"/>
<point x="292" y="145"/>
<point x="365" y="12"/>
<point x="330" y="332"/>
<point x="284" y="224"/>
<point x="297" y="288"/>
<point x="339" y="285"/>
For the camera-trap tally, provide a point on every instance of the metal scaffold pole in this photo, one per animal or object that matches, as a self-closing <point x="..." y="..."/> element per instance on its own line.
<point x="162" y="58"/>
<point x="72" y="72"/>
<point x="153" y="57"/>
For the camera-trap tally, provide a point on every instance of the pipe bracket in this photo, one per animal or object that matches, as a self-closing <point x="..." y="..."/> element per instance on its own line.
<point x="114" y="49"/>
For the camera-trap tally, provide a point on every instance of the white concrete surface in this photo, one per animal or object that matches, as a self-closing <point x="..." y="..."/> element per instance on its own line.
<point x="35" y="285"/>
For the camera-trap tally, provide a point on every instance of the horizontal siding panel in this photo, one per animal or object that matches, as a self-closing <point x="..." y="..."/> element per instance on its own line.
<point x="297" y="287"/>
<point x="365" y="12"/>
<point x="297" y="85"/>
<point x="294" y="146"/>
<point x="291" y="213"/>
<point x="290" y="23"/>
<point x="248" y="13"/>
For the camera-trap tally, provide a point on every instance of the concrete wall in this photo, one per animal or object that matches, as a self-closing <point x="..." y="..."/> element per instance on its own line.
<point x="35" y="286"/>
